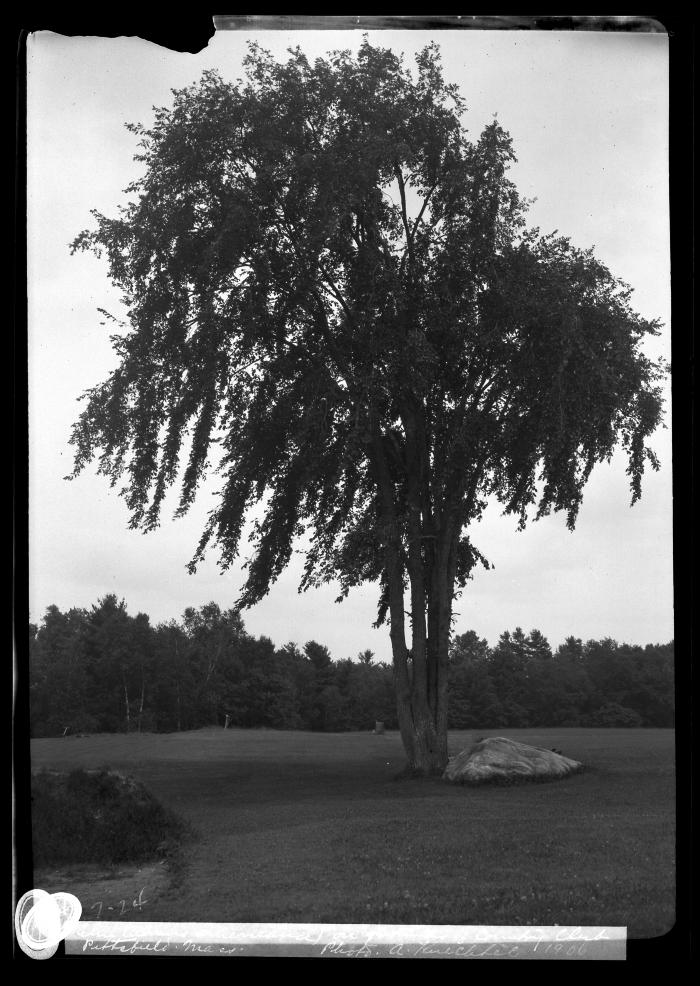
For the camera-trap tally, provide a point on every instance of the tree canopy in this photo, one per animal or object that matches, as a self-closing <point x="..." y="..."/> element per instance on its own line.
<point x="332" y="293"/>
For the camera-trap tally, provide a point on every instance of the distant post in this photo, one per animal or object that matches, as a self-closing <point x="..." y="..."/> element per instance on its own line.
<point x="379" y="728"/>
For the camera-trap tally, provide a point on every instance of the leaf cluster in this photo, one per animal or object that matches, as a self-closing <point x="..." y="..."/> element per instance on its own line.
<point x="314" y="256"/>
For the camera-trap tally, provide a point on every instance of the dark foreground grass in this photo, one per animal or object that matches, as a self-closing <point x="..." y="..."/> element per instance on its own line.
<point x="314" y="827"/>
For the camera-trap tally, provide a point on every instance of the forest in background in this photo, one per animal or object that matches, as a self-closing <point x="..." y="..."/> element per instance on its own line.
<point x="103" y="670"/>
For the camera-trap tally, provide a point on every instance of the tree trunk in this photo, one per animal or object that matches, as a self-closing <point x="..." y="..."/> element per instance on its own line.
<point x="140" y="715"/>
<point x="128" y="710"/>
<point x="421" y="700"/>
<point x="420" y="675"/>
<point x="426" y="756"/>
<point x="177" y="685"/>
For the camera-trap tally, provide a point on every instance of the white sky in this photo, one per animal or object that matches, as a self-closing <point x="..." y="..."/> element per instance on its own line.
<point x="588" y="116"/>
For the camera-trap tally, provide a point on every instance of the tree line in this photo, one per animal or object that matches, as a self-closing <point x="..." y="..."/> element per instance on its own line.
<point x="103" y="670"/>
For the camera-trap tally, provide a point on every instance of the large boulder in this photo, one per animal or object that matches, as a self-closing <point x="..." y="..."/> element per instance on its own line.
<point x="497" y="760"/>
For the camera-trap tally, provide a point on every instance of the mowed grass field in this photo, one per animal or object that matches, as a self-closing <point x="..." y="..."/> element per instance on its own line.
<point x="297" y="827"/>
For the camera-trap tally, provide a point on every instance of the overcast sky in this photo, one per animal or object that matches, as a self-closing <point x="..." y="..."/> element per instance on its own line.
<point x="588" y="117"/>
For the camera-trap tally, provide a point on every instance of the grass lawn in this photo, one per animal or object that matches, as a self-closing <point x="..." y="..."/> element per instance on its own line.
<point x="296" y="826"/>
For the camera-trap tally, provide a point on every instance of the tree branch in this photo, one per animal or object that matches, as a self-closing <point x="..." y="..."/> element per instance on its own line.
<point x="404" y="214"/>
<point x="422" y="210"/>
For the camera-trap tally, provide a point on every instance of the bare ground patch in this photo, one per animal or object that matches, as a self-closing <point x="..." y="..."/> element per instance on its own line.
<point x="118" y="893"/>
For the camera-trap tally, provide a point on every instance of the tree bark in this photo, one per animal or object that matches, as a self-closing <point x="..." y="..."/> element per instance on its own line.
<point x="428" y="705"/>
<point x="420" y="675"/>
<point x="140" y="715"/>
<point x="422" y="695"/>
<point x="128" y="710"/>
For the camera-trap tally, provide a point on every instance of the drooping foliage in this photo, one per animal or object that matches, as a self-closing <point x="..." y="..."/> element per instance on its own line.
<point x="332" y="295"/>
<point x="323" y="271"/>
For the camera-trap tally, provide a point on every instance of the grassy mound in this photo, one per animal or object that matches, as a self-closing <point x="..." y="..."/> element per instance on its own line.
<point x="498" y="760"/>
<point x="99" y="816"/>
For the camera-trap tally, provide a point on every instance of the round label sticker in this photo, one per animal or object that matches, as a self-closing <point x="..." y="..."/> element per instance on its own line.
<point x="42" y="920"/>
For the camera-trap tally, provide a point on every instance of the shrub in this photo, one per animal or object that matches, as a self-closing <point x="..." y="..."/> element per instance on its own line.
<point x="613" y="715"/>
<point x="99" y="816"/>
